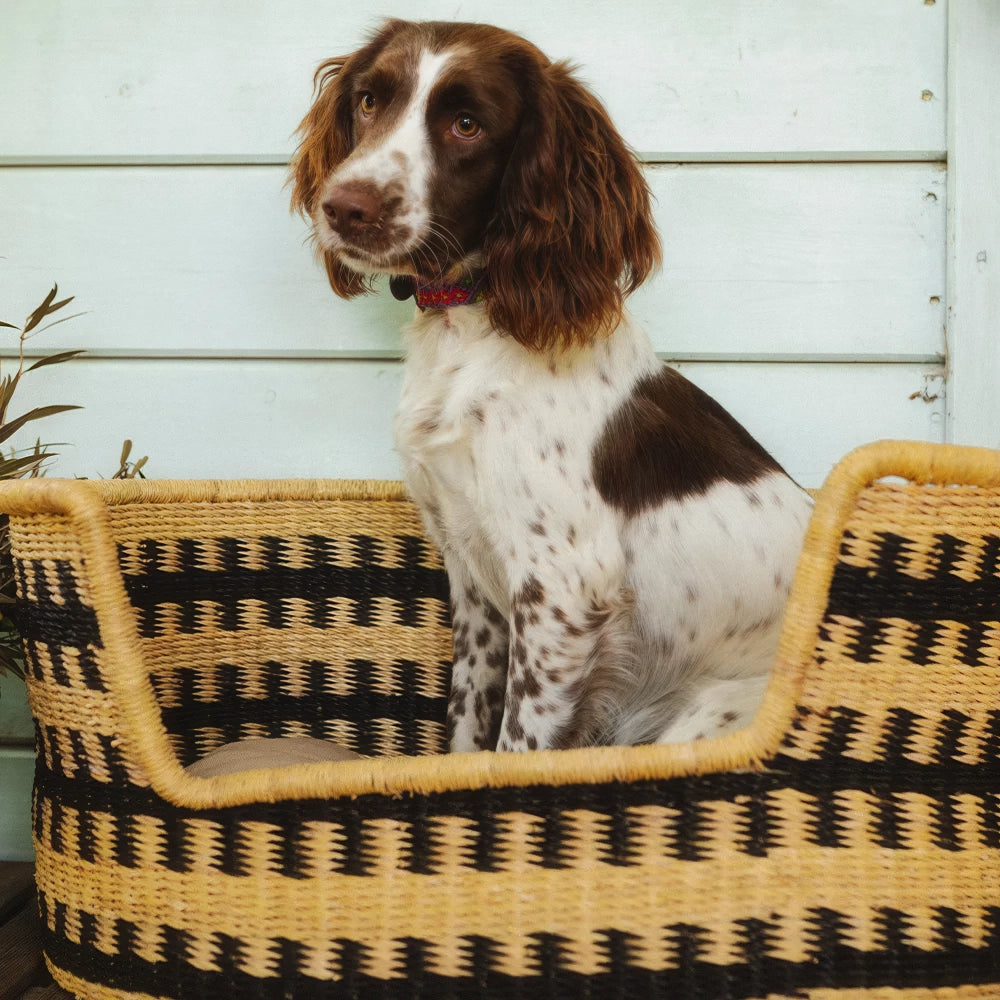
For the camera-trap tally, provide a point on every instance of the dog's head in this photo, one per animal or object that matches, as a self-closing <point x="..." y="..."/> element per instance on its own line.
<point x="441" y="149"/>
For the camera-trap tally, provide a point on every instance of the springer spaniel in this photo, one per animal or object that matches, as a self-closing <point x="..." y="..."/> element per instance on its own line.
<point x="619" y="549"/>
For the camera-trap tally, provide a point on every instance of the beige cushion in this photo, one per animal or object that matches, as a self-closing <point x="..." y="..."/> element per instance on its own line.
<point x="248" y="755"/>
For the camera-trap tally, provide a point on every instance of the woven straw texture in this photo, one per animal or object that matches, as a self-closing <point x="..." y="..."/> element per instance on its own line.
<point x="847" y="844"/>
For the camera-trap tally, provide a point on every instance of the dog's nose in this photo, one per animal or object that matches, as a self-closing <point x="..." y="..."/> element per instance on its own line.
<point x="350" y="208"/>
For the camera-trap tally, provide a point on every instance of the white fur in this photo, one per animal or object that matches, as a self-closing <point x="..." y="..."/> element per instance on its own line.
<point x="496" y="441"/>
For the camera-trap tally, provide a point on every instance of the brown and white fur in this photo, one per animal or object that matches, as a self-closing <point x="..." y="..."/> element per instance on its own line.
<point x="619" y="548"/>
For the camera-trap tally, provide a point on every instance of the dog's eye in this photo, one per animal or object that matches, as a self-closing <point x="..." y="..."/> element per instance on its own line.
<point x="466" y="127"/>
<point x="368" y="104"/>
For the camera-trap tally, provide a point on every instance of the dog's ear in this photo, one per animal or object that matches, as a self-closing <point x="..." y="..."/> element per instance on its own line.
<point x="573" y="233"/>
<point x="327" y="138"/>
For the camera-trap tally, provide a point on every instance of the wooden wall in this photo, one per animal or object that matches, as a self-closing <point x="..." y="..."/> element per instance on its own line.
<point x="797" y="153"/>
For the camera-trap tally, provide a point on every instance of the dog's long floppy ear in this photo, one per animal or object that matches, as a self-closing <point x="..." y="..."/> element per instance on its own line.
<point x="573" y="232"/>
<point x="327" y="139"/>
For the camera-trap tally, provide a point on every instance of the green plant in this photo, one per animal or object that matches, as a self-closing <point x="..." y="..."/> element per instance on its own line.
<point x="31" y="463"/>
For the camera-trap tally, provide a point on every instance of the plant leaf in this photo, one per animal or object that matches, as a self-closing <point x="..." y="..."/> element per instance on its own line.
<point x="10" y="325"/>
<point x="63" y="319"/>
<point x="56" y="359"/>
<point x="7" y="387"/>
<point x="39" y="314"/>
<point x="7" y="384"/>
<point x="13" y="426"/>
<point x="45" y="309"/>
<point x="14" y="468"/>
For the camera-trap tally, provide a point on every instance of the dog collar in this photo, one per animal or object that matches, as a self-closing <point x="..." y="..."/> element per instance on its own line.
<point x="465" y="292"/>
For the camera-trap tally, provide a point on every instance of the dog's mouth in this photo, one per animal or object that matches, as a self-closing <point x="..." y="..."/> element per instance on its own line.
<point x="388" y="242"/>
<point x="384" y="246"/>
<point x="412" y="258"/>
<point x="387" y="248"/>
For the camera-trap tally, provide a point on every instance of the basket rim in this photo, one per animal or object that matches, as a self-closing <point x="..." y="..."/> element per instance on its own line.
<point x="87" y="504"/>
<point x="119" y="492"/>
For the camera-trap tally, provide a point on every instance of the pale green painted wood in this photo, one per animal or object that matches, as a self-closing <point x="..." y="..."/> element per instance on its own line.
<point x="17" y="761"/>
<point x="17" y="766"/>
<point x="974" y="223"/>
<point x="15" y="718"/>
<point x="841" y="261"/>
<point x="235" y="419"/>
<point x="683" y="79"/>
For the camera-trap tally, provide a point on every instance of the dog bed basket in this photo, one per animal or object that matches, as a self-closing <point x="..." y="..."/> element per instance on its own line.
<point x="847" y="844"/>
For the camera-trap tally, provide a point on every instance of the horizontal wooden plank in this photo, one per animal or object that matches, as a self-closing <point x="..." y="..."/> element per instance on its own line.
<point x="767" y="260"/>
<point x="236" y="419"/>
<point x="178" y="259"/>
<point x="683" y="80"/>
<point x="21" y="948"/>
<point x="798" y="260"/>
<point x="17" y="886"/>
<point x="50" y="992"/>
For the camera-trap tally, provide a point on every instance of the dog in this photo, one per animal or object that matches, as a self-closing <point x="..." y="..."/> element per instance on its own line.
<point x="619" y="549"/>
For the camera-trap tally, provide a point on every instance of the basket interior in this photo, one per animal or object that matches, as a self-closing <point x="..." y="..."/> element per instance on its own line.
<point x="905" y="664"/>
<point x="323" y="618"/>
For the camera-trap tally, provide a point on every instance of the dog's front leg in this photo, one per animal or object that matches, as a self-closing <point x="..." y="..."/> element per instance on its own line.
<point x="479" y="666"/>
<point x="568" y="663"/>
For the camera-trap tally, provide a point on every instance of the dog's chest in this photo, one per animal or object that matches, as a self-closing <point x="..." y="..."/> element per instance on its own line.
<point x="477" y="406"/>
<point x="446" y="390"/>
<point x="452" y="391"/>
<point x="488" y="430"/>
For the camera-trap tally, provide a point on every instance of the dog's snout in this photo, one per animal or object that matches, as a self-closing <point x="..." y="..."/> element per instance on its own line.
<point x="352" y="208"/>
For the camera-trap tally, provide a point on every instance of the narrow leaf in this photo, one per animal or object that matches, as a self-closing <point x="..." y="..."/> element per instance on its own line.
<point x="14" y="468"/>
<point x="13" y="426"/>
<point x="7" y="387"/>
<point x="56" y="322"/>
<point x="47" y="308"/>
<point x="42" y="311"/>
<point x="55" y="359"/>
<point x="9" y="325"/>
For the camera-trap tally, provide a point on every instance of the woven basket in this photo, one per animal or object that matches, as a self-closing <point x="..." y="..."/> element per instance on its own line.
<point x="846" y="844"/>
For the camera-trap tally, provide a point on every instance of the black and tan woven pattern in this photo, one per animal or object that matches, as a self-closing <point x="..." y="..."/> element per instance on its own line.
<point x="846" y="845"/>
<point x="275" y="633"/>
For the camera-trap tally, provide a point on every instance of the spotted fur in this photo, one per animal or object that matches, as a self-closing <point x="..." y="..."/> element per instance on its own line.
<point x="619" y="548"/>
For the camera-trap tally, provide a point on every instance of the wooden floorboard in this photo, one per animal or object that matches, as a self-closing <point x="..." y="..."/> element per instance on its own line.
<point x="23" y="975"/>
<point x="17" y="885"/>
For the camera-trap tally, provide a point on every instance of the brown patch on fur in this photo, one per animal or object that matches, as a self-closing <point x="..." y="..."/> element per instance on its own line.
<point x="669" y="440"/>
<point x="531" y="594"/>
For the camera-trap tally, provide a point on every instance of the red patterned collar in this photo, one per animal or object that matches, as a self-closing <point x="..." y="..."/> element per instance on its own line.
<point x="465" y="292"/>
